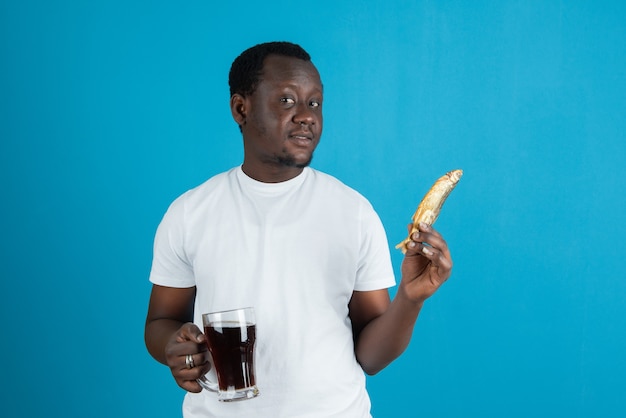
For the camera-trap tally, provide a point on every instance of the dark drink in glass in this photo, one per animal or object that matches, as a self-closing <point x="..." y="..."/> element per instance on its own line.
<point x="232" y="349"/>
<point x="231" y="336"/>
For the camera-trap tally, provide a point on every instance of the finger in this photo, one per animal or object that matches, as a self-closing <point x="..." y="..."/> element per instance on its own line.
<point x="423" y="226"/>
<point x="437" y="257"/>
<point x="191" y="375"/>
<point x="190" y="332"/>
<point x="190" y="385"/>
<point x="431" y="237"/>
<point x="443" y="262"/>
<point x="178" y="348"/>
<point x="414" y="247"/>
<point x="187" y="377"/>
<point x="176" y="351"/>
<point x="440" y="263"/>
<point x="192" y="361"/>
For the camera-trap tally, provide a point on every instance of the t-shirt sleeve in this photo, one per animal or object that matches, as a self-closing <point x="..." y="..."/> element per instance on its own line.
<point x="375" y="270"/>
<point x="170" y="265"/>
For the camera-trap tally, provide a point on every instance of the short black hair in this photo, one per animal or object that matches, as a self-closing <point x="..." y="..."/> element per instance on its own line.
<point x="243" y="77"/>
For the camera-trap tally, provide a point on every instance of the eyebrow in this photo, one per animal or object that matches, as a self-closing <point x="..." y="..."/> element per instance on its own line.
<point x="295" y="85"/>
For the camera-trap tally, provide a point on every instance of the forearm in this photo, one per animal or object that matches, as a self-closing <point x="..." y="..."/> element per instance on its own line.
<point x="158" y="332"/>
<point x="386" y="337"/>
<point x="168" y="310"/>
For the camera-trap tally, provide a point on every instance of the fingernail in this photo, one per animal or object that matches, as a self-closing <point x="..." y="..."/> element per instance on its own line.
<point x="424" y="225"/>
<point x="416" y="236"/>
<point x="411" y="244"/>
<point x="427" y="251"/>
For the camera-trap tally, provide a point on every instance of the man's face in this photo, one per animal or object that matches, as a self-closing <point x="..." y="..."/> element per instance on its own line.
<point x="283" y="118"/>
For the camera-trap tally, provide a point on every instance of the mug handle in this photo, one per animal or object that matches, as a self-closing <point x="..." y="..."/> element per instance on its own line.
<point x="207" y="384"/>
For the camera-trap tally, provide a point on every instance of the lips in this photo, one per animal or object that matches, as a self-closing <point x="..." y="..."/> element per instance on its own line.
<point x="301" y="138"/>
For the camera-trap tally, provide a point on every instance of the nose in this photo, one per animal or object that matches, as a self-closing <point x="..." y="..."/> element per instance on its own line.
<point x="304" y="115"/>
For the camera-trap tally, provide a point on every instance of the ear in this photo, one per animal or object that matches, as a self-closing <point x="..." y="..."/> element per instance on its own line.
<point x="239" y="108"/>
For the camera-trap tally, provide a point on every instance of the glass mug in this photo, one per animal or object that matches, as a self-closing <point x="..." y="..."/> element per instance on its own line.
<point x="230" y="337"/>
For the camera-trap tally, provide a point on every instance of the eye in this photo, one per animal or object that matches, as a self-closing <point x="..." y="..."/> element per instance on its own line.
<point x="287" y="100"/>
<point x="314" y="104"/>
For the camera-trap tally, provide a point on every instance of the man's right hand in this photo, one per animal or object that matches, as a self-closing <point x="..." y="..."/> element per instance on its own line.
<point x="188" y="340"/>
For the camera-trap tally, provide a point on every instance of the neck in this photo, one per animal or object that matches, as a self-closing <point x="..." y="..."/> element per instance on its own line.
<point x="271" y="174"/>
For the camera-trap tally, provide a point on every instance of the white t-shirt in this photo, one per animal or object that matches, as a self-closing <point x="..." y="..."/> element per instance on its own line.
<point x="295" y="251"/>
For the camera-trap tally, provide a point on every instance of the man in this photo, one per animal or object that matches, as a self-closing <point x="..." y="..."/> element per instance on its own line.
<point x="309" y="253"/>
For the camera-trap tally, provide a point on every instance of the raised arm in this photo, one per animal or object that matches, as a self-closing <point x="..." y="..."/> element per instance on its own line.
<point x="383" y="329"/>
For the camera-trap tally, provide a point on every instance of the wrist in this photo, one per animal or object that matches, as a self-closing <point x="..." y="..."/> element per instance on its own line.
<point x="407" y="299"/>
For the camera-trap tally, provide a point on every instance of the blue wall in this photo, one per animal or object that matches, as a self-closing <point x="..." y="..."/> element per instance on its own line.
<point x="109" y="110"/>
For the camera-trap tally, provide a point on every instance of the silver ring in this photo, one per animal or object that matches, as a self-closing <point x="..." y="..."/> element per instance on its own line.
<point x="189" y="361"/>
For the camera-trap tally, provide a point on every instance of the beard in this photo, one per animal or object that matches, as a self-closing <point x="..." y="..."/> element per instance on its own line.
<point x="289" y="160"/>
